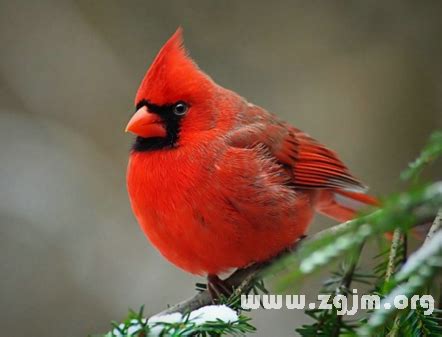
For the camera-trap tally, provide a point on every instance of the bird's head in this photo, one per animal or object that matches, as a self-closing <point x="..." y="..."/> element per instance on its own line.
<point x="174" y="98"/>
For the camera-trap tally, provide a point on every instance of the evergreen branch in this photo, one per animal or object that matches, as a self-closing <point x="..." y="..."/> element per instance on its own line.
<point x="392" y="257"/>
<point x="420" y="325"/>
<point x="405" y="211"/>
<point x="328" y="322"/>
<point x="435" y="227"/>
<point x="431" y="152"/>
<point x="345" y="286"/>
<point x="397" y="241"/>
<point x="414" y="275"/>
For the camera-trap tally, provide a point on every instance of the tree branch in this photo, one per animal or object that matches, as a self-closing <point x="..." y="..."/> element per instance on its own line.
<point x="395" y="244"/>
<point x="436" y="226"/>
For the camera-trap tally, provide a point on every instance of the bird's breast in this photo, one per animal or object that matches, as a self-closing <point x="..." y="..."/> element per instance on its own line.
<point x="167" y="189"/>
<point x="163" y="181"/>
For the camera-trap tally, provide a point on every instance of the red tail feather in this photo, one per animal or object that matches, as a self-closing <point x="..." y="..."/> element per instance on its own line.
<point x="343" y="205"/>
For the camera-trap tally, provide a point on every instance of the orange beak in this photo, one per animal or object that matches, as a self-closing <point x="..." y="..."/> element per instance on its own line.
<point x="146" y="124"/>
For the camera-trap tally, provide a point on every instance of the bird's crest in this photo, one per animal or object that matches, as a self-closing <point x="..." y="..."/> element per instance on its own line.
<point x="173" y="75"/>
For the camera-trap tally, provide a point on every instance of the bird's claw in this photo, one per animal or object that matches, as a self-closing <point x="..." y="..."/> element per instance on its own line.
<point x="218" y="288"/>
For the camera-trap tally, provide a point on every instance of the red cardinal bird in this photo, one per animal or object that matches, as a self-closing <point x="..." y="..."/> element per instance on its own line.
<point x="218" y="183"/>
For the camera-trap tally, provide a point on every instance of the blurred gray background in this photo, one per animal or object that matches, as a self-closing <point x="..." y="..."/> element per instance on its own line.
<point x="362" y="77"/>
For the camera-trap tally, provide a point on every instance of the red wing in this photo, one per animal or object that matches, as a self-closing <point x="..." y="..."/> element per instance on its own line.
<point x="315" y="166"/>
<point x="312" y="164"/>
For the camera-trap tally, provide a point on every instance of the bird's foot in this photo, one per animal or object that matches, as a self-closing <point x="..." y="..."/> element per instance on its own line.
<point x="218" y="288"/>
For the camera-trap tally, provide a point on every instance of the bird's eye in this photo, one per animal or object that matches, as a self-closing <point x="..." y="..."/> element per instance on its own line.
<point x="180" y="109"/>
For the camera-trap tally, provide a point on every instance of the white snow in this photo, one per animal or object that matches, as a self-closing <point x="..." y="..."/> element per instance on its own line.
<point x="210" y="313"/>
<point x="155" y="328"/>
